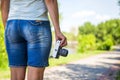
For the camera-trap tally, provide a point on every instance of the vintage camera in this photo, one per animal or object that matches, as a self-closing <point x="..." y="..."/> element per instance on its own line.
<point x="59" y="51"/>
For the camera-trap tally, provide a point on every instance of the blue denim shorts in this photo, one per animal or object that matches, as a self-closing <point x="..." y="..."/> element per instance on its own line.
<point x="28" y="42"/>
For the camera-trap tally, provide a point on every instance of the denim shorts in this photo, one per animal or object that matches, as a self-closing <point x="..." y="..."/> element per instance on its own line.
<point x="28" y="42"/>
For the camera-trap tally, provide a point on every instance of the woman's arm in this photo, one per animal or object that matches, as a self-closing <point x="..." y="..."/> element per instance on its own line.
<point x="52" y="7"/>
<point x="5" y="10"/>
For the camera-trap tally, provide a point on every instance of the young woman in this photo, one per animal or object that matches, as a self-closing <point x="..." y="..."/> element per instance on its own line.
<point x="28" y="35"/>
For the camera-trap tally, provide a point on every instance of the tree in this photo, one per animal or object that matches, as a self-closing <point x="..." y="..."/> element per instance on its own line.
<point x="109" y="29"/>
<point x="87" y="28"/>
<point x="106" y="33"/>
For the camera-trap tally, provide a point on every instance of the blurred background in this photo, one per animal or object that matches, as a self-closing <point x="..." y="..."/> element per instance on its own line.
<point x="91" y="27"/>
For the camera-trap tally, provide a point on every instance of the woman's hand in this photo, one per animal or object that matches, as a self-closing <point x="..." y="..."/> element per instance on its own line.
<point x="62" y="38"/>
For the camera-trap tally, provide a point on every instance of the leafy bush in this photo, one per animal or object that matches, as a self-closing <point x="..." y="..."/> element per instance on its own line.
<point x="3" y="56"/>
<point x="87" y="28"/>
<point x="86" y="42"/>
<point x="110" y="27"/>
<point x="106" y="45"/>
<point x="107" y="34"/>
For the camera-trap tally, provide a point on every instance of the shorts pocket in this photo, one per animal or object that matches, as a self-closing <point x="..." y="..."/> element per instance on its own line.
<point x="35" y="22"/>
<point x="35" y="28"/>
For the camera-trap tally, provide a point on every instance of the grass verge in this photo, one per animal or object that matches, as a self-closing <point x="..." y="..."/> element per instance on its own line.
<point x="72" y="57"/>
<point x="4" y="74"/>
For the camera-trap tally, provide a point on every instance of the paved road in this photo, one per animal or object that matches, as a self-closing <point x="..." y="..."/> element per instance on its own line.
<point x="93" y="68"/>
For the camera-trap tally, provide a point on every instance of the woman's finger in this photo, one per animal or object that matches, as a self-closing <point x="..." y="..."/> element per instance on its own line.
<point x="64" y="43"/>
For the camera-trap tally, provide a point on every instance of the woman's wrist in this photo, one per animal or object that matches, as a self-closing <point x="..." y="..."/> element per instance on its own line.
<point x="58" y="31"/>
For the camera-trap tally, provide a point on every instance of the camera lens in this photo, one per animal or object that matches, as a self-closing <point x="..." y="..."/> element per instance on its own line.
<point x="63" y="52"/>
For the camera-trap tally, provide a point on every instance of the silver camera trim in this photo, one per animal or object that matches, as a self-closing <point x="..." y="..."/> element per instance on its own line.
<point x="56" y="48"/>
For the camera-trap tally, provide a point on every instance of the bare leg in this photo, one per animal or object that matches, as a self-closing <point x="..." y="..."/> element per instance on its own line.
<point x="35" y="73"/>
<point x="18" y="73"/>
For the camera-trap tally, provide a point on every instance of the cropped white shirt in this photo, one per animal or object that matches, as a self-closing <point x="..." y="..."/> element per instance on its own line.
<point x="27" y="10"/>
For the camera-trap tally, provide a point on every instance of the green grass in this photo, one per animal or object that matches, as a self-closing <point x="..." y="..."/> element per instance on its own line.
<point x="72" y="57"/>
<point x="5" y="73"/>
<point x="118" y="76"/>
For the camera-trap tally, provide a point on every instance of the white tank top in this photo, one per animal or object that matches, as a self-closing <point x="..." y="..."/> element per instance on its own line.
<point x="27" y="10"/>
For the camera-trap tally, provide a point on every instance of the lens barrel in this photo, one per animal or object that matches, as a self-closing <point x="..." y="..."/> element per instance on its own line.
<point x="63" y="52"/>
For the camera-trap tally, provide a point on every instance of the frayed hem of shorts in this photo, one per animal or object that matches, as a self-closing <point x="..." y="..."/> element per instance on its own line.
<point x="41" y="66"/>
<point x="17" y="66"/>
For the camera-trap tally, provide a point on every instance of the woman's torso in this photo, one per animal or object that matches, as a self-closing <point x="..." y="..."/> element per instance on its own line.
<point x="27" y="10"/>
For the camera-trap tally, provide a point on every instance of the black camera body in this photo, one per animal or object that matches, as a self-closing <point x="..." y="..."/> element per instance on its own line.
<point x="59" y="51"/>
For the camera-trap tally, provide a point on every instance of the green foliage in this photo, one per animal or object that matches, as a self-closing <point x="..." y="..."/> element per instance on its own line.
<point x="111" y="27"/>
<point x="106" y="45"/>
<point x="117" y="76"/>
<point x="86" y="42"/>
<point x="106" y="34"/>
<point x="3" y="56"/>
<point x="87" y="28"/>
